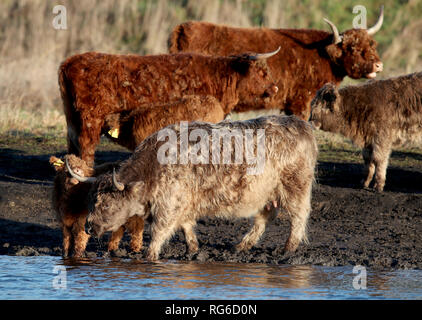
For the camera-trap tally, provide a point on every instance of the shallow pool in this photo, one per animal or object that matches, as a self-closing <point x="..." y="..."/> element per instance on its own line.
<point x="46" y="277"/>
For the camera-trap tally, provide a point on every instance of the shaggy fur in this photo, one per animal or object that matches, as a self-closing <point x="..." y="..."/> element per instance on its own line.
<point x="175" y="196"/>
<point x="375" y="116"/>
<point x="70" y="204"/>
<point x="307" y="60"/>
<point x="95" y="85"/>
<point x="134" y="126"/>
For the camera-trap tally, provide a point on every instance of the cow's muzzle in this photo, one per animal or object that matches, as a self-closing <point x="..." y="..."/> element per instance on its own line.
<point x="378" y="67"/>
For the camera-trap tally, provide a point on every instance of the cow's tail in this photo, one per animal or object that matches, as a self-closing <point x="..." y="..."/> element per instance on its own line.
<point x="177" y="39"/>
<point x="69" y="110"/>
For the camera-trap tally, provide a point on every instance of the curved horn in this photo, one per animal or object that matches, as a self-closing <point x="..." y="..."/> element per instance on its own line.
<point x="377" y="26"/>
<point x="119" y="186"/>
<point x="336" y="34"/>
<point x="261" y="56"/>
<point x="78" y="177"/>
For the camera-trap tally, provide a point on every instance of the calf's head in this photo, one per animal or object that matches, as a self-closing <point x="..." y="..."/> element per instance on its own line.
<point x="79" y="167"/>
<point x="354" y="51"/>
<point x="111" y="203"/>
<point x="325" y="108"/>
<point x="256" y="87"/>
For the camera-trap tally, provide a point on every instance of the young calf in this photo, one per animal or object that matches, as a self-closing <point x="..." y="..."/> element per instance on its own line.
<point x="375" y="116"/>
<point x="130" y="128"/>
<point x="174" y="189"/>
<point x="70" y="205"/>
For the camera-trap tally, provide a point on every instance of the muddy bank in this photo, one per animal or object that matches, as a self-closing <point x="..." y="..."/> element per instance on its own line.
<point x="348" y="226"/>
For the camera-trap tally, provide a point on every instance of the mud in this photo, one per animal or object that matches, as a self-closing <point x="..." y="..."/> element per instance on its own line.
<point x="348" y="225"/>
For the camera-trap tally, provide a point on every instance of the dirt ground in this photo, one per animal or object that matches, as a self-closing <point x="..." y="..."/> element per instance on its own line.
<point x="348" y="225"/>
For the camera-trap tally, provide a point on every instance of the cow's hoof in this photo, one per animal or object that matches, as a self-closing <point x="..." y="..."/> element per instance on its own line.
<point x="243" y="247"/>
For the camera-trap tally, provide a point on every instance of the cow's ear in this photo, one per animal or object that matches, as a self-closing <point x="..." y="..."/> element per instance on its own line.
<point x="241" y="64"/>
<point x="57" y="163"/>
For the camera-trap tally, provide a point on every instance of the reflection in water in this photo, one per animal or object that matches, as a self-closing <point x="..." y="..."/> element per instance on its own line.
<point x="31" y="277"/>
<point x="190" y="275"/>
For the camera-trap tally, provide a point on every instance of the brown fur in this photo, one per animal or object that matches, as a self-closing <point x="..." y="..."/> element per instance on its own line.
<point x="134" y="126"/>
<point x="70" y="204"/>
<point x="175" y="196"/>
<point x="375" y="116"/>
<point x="95" y="85"/>
<point x="306" y="61"/>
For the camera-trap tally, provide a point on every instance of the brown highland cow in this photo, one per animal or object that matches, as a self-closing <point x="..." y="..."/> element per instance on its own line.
<point x="130" y="128"/>
<point x="307" y="60"/>
<point x="94" y="86"/>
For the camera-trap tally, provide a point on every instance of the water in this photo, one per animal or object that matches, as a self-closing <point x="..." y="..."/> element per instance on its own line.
<point x="48" y="277"/>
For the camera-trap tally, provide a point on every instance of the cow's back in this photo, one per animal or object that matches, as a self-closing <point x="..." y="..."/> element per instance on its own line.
<point x="299" y="69"/>
<point x="393" y="104"/>
<point x="290" y="157"/>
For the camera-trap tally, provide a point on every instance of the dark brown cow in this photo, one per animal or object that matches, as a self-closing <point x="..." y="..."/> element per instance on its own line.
<point x="70" y="205"/>
<point x="308" y="58"/>
<point x="94" y="85"/>
<point x="130" y="128"/>
<point x="375" y="116"/>
<point x="176" y="194"/>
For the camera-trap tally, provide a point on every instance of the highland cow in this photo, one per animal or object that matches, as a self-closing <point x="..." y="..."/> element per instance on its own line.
<point x="71" y="208"/>
<point x="308" y="58"/>
<point x="177" y="194"/>
<point x="376" y="116"/>
<point x="130" y="128"/>
<point x="95" y="85"/>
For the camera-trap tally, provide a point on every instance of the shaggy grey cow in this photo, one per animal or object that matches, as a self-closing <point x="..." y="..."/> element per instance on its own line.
<point x="375" y="116"/>
<point x="173" y="180"/>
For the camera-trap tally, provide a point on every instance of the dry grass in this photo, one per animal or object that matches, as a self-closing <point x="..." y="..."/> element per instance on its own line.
<point x="31" y="49"/>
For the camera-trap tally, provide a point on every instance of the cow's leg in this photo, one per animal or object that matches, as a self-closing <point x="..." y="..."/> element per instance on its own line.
<point x="89" y="138"/>
<point x="376" y="162"/>
<point x="79" y="236"/>
<point x="67" y="238"/>
<point x="160" y="232"/>
<point x="72" y="139"/>
<point x="252" y="237"/>
<point x="381" y="159"/>
<point x="116" y="236"/>
<point x="298" y="208"/>
<point x="190" y="236"/>
<point x="369" y="166"/>
<point x="135" y="226"/>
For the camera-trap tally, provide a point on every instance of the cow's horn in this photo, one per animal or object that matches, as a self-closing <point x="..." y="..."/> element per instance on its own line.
<point x="377" y="26"/>
<point x="78" y="177"/>
<point x="119" y="186"/>
<point x="336" y="35"/>
<point x="261" y="56"/>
